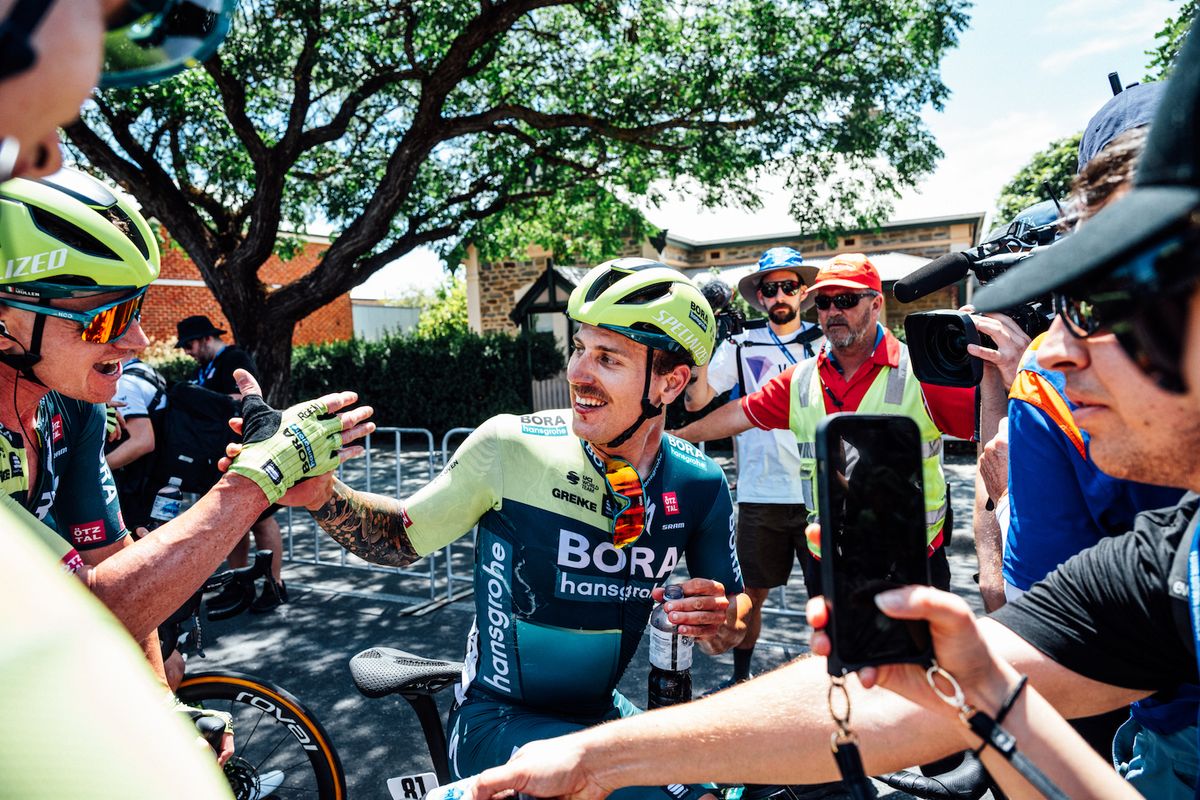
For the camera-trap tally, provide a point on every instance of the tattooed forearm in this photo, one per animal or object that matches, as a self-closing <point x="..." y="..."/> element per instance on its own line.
<point x="368" y="525"/>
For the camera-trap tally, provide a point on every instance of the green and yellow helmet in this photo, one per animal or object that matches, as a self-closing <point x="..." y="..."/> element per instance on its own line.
<point x="68" y="234"/>
<point x="650" y="303"/>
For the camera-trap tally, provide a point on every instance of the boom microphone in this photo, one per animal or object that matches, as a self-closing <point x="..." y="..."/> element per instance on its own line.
<point x="941" y="272"/>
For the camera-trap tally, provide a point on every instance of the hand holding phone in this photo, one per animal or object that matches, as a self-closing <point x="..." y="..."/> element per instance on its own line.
<point x="872" y="511"/>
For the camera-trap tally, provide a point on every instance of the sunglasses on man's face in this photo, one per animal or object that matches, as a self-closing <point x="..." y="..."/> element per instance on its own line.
<point x="626" y="486"/>
<point x="1144" y="302"/>
<point x="101" y="325"/>
<point x="772" y="288"/>
<point x="842" y="301"/>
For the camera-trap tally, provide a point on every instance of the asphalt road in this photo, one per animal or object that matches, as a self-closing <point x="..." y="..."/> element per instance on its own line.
<point x="337" y="611"/>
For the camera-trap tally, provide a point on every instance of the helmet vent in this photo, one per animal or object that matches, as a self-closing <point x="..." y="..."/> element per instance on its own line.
<point x="125" y="224"/>
<point x="647" y="294"/>
<point x="69" y="234"/>
<point x="602" y="284"/>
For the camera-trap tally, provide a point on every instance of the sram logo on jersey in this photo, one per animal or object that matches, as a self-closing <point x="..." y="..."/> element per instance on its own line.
<point x="577" y="555"/>
<point x="544" y="424"/>
<point x="87" y="532"/>
<point x="36" y="264"/>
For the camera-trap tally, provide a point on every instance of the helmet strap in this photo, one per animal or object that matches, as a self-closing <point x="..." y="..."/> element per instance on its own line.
<point x="649" y="410"/>
<point x="23" y="363"/>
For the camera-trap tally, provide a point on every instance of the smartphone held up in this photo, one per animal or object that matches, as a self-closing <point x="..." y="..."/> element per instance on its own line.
<point x="871" y="504"/>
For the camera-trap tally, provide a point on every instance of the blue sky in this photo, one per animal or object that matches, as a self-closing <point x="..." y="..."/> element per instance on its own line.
<point x="1025" y="73"/>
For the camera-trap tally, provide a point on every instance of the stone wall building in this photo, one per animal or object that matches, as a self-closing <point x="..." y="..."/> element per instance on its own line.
<point x="494" y="290"/>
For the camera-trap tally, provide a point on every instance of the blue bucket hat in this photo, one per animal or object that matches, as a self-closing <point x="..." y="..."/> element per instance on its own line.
<point x="1130" y="109"/>
<point x="777" y="258"/>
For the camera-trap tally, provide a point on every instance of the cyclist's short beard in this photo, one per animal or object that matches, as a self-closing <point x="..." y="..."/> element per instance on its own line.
<point x="782" y="314"/>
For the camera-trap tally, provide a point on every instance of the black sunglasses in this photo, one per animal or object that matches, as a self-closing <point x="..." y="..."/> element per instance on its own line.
<point x="842" y="301"/>
<point x="1144" y="302"/>
<point x="771" y="288"/>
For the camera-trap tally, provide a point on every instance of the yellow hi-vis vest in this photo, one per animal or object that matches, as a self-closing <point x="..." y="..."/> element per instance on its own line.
<point x="894" y="391"/>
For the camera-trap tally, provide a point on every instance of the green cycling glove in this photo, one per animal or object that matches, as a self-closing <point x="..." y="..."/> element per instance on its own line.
<point x="282" y="448"/>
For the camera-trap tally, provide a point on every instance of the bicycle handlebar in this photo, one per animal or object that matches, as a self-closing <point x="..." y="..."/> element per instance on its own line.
<point x="242" y="577"/>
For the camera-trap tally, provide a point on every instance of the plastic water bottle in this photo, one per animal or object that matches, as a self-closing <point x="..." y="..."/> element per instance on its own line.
<point x="167" y="503"/>
<point x="670" y="658"/>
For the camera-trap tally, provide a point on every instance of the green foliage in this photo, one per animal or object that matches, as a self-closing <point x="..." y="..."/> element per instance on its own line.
<point x="1055" y="165"/>
<point x="504" y="124"/>
<point x="446" y="312"/>
<point x="437" y="383"/>
<point x="1170" y="39"/>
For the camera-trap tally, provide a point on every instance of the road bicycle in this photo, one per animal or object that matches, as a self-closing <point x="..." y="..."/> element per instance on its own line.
<point x="281" y="750"/>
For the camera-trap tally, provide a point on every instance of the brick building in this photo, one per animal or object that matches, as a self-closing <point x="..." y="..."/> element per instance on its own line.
<point x="180" y="292"/>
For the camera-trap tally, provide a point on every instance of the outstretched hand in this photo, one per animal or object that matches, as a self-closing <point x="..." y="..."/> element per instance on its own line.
<point x="958" y="647"/>
<point x="547" y="768"/>
<point x="352" y="424"/>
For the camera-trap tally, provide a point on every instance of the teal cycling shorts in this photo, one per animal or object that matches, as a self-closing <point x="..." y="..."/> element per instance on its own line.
<point x="485" y="732"/>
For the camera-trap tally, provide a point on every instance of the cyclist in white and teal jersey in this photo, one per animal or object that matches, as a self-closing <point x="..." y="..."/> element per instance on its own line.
<point x="572" y="547"/>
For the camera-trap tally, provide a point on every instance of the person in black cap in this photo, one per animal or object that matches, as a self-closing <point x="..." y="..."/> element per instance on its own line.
<point x="201" y="340"/>
<point x="1112" y="625"/>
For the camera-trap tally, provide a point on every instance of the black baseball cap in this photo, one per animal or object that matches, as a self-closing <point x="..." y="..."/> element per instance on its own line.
<point x="1164" y="201"/>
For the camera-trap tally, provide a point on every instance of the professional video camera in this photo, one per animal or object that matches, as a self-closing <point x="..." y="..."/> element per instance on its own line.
<point x="730" y="321"/>
<point x="937" y="340"/>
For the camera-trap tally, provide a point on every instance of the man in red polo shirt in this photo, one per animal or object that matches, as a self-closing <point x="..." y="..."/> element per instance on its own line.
<point x="862" y="367"/>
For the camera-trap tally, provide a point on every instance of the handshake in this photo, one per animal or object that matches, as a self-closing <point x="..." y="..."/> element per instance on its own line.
<point x="279" y="449"/>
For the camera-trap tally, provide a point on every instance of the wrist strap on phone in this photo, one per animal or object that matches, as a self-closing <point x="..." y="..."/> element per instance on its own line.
<point x="989" y="730"/>
<point x="844" y="744"/>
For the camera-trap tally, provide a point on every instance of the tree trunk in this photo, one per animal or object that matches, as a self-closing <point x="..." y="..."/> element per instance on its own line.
<point x="270" y="342"/>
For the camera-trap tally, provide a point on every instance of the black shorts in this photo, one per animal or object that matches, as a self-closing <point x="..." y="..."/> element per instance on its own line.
<point x="769" y="536"/>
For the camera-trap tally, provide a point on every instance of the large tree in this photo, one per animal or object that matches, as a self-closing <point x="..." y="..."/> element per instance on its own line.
<point x="402" y="123"/>
<point x="1053" y="167"/>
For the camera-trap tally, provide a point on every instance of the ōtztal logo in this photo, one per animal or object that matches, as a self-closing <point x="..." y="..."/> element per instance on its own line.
<point x="56" y="431"/>
<point x="87" y="532"/>
<point x="670" y="503"/>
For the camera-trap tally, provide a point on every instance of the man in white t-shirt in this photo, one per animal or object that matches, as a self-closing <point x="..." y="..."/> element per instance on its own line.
<point x="140" y="391"/>
<point x="771" y="512"/>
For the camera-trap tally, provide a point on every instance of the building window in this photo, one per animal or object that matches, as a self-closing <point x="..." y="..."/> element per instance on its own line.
<point x="848" y="241"/>
<point x="713" y="255"/>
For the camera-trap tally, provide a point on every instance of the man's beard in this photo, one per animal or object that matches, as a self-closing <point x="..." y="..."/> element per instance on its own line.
<point x="843" y="337"/>
<point x="782" y="314"/>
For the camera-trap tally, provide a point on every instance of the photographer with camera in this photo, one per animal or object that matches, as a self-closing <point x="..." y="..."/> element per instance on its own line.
<point x="864" y="368"/>
<point x="770" y="501"/>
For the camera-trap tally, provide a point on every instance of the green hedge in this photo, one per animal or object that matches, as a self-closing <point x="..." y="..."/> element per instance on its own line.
<point x="438" y="383"/>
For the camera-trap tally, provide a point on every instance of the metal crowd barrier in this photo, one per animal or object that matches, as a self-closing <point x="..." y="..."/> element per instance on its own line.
<point x="350" y="474"/>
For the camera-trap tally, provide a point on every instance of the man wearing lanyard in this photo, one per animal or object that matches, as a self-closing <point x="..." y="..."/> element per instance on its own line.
<point x="201" y="340"/>
<point x="862" y="368"/>
<point x="771" y="513"/>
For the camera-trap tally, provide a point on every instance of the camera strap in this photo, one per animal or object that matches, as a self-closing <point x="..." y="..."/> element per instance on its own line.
<point x="844" y="744"/>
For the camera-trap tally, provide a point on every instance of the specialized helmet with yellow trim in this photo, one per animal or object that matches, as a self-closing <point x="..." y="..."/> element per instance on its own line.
<point x="650" y="303"/>
<point x="68" y="236"/>
<point x="68" y="229"/>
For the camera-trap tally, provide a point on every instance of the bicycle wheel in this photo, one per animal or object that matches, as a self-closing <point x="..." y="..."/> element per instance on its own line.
<point x="281" y="749"/>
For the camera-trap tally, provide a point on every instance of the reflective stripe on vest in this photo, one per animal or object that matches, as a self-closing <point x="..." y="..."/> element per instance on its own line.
<point x="894" y="391"/>
<point x="1043" y="389"/>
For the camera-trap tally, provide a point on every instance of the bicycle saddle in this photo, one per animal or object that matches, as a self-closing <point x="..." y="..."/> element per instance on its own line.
<point x="968" y="781"/>
<point x="380" y="671"/>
